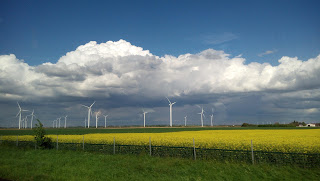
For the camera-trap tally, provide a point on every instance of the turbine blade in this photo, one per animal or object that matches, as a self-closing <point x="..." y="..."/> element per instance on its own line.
<point x="168" y="100"/>
<point x="174" y="103"/>
<point x="18" y="113"/>
<point x="84" y="106"/>
<point x="93" y="103"/>
<point x="19" y="105"/>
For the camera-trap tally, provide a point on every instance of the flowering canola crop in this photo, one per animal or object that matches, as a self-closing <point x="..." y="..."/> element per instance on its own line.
<point x="287" y="140"/>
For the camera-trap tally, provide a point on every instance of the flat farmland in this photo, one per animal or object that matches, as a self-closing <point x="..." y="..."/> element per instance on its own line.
<point x="272" y="140"/>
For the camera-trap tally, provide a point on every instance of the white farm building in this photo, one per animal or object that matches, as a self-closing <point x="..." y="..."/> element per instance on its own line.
<point x="311" y="125"/>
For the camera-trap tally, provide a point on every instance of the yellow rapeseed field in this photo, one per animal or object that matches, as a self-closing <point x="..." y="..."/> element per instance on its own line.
<point x="286" y="140"/>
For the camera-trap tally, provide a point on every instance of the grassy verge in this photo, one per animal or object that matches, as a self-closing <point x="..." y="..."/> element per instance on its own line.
<point x="20" y="164"/>
<point x="80" y="131"/>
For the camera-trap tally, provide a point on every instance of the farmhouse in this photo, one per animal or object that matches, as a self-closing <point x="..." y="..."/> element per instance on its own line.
<point x="308" y="125"/>
<point x="311" y="125"/>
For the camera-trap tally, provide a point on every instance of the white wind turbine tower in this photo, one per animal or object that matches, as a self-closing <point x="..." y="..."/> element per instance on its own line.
<point x="85" y="122"/>
<point x="144" y="118"/>
<point x="105" y="120"/>
<point x="211" y="116"/>
<point x="185" y="120"/>
<point x="22" y="123"/>
<point x="25" y="122"/>
<point x="89" y="112"/>
<point x="202" y="115"/>
<point x="97" y="117"/>
<point x="19" y="113"/>
<point x="65" y="121"/>
<point x="59" y="121"/>
<point x="56" y="123"/>
<point x="53" y="123"/>
<point x="32" y="115"/>
<point x="170" y="104"/>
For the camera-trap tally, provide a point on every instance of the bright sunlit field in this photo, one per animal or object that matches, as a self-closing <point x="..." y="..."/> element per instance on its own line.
<point x="275" y="140"/>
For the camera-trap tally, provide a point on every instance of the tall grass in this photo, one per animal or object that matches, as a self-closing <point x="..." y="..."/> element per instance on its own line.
<point x="27" y="164"/>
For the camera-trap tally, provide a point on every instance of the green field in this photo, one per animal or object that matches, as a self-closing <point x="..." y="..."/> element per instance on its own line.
<point x="81" y="131"/>
<point x="25" y="164"/>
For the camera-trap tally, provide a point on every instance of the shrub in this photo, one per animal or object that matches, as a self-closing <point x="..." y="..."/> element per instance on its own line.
<point x="248" y="125"/>
<point x="42" y="141"/>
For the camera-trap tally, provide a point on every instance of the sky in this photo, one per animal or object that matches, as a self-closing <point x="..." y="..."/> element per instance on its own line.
<point x="242" y="61"/>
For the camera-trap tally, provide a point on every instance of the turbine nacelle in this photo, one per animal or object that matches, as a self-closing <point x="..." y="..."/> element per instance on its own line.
<point x="144" y="112"/>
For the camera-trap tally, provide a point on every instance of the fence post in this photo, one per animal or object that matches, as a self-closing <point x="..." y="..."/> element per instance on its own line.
<point x="17" y="140"/>
<point x="83" y="143"/>
<point x="114" y="145"/>
<point x="57" y="143"/>
<point x="150" y="145"/>
<point x="252" y="152"/>
<point x="194" y="150"/>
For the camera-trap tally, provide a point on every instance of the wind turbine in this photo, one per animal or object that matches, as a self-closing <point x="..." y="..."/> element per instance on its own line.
<point x="185" y="120"/>
<point x="85" y="122"/>
<point x="211" y="116"/>
<point x="59" y="121"/>
<point x="65" y="121"/>
<point x="89" y="112"/>
<point x="144" y="118"/>
<point x="170" y="104"/>
<point x="32" y="115"/>
<point x="202" y="115"/>
<point x="19" y="113"/>
<point x="53" y="123"/>
<point x="97" y="117"/>
<point x="105" y="120"/>
<point x="25" y="122"/>
<point x="22" y="123"/>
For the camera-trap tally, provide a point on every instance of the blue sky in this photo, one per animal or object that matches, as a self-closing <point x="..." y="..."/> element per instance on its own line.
<point x="42" y="31"/>
<point x="249" y="61"/>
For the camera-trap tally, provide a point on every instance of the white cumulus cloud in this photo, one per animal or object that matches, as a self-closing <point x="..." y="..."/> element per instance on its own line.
<point x="119" y="68"/>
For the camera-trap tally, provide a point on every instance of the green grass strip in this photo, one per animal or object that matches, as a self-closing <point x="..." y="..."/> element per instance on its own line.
<point x="26" y="164"/>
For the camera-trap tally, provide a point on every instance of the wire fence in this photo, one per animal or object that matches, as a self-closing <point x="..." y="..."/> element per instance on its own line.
<point x="306" y="160"/>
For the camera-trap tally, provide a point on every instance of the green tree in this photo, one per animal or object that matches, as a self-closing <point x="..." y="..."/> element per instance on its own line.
<point x="42" y="141"/>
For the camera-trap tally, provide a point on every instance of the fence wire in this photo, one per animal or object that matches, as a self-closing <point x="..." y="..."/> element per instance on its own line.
<point x="306" y="160"/>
